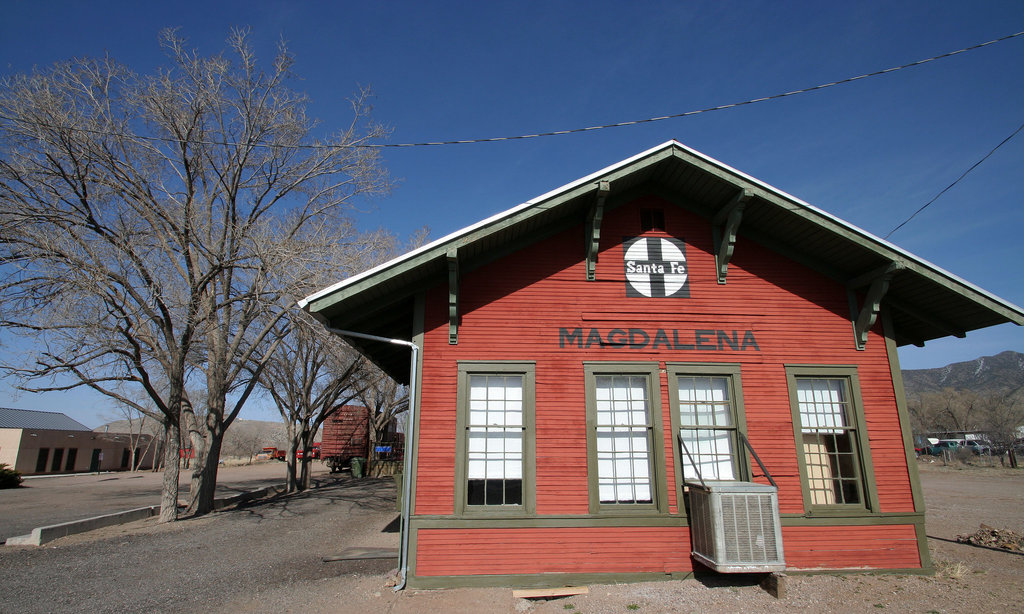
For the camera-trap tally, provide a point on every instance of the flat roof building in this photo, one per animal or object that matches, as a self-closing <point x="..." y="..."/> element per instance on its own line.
<point x="38" y="442"/>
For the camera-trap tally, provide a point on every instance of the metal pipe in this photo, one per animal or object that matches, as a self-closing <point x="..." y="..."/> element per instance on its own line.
<point x="403" y="562"/>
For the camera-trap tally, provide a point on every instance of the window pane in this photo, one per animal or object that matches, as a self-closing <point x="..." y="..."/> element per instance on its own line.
<point x="830" y="456"/>
<point x="494" y="440"/>
<point x="707" y="427"/>
<point x="623" y="439"/>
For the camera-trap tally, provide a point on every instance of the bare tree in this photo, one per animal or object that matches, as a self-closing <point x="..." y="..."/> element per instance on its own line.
<point x="310" y="376"/>
<point x="144" y="221"/>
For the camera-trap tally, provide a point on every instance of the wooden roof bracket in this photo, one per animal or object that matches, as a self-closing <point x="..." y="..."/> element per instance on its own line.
<point x="453" y="296"/>
<point x="593" y="228"/>
<point x="724" y="227"/>
<point x="864" y="317"/>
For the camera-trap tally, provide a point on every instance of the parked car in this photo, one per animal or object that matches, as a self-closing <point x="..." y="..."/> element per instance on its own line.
<point x="944" y="445"/>
<point x="978" y="447"/>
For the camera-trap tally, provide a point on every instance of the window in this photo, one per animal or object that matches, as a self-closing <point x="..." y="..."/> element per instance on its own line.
<point x="707" y="401"/>
<point x="652" y="219"/>
<point x="72" y="457"/>
<point x="624" y="438"/>
<point x="58" y="456"/>
<point x="832" y="448"/>
<point x="44" y="455"/>
<point x="495" y="446"/>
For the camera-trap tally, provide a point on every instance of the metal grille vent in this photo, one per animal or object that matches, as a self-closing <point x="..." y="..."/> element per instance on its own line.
<point x="735" y="526"/>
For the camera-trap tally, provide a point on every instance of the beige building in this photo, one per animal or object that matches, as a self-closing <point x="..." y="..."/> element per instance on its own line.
<point x="40" y="442"/>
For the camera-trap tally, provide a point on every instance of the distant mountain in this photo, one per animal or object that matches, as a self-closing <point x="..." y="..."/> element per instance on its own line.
<point x="1002" y="373"/>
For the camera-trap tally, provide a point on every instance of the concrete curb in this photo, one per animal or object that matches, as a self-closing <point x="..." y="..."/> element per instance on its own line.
<point x="43" y="535"/>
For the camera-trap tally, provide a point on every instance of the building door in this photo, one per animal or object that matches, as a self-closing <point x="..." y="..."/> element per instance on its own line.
<point x="97" y="456"/>
<point x="72" y="457"/>
<point x="125" y="456"/>
<point x="58" y="457"/>
<point x="44" y="454"/>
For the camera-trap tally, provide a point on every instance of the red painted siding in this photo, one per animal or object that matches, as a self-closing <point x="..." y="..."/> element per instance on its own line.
<point x="875" y="547"/>
<point x="513" y="308"/>
<point x="444" y="552"/>
<point x="456" y="552"/>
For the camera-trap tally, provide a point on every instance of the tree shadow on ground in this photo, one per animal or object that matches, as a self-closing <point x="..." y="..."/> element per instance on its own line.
<point x="367" y="494"/>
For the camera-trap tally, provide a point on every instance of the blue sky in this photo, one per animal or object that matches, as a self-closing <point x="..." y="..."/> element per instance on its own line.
<point x="870" y="152"/>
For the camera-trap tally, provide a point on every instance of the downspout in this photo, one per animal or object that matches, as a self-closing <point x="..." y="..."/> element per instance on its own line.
<point x="410" y="421"/>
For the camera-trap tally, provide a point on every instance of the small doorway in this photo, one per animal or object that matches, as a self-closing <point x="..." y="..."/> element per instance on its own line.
<point x="44" y="455"/>
<point x="97" y="456"/>
<point x="58" y="457"/>
<point x="72" y="457"/>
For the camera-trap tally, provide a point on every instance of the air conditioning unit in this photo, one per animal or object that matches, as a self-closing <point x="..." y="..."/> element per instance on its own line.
<point x="734" y="526"/>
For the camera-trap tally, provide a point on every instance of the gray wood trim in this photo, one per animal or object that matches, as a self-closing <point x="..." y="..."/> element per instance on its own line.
<point x="453" y="296"/>
<point x="529" y="480"/>
<point x="904" y="413"/>
<point x="593" y="229"/>
<point x="659" y="490"/>
<point x="596" y="521"/>
<point x="869" y="493"/>
<point x="725" y="225"/>
<point x="868" y="312"/>
<point x="733" y="371"/>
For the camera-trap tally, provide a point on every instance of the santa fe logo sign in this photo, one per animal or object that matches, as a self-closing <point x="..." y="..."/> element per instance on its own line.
<point x="655" y="267"/>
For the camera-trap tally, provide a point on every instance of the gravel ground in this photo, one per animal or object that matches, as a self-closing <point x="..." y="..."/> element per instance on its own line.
<point x="267" y="557"/>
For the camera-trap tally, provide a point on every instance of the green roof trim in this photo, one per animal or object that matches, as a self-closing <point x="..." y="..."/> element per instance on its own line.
<point x="946" y="303"/>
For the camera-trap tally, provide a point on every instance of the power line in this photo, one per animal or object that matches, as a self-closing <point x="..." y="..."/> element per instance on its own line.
<point x="588" y="128"/>
<point x="947" y="188"/>
<point x="708" y="109"/>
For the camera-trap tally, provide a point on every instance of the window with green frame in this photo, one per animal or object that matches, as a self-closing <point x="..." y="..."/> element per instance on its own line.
<point x="624" y="442"/>
<point x="494" y="448"/>
<point x="832" y="446"/>
<point x="707" y="404"/>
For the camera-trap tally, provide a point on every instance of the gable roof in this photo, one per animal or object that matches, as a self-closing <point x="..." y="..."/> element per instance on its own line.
<point x="39" y="420"/>
<point x="925" y="301"/>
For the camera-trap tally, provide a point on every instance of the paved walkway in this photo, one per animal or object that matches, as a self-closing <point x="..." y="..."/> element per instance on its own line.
<point x="51" y="500"/>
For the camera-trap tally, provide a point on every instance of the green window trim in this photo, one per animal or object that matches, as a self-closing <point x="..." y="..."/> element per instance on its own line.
<point x="859" y="452"/>
<point x="594" y="371"/>
<point x="466" y="371"/>
<point x="732" y="373"/>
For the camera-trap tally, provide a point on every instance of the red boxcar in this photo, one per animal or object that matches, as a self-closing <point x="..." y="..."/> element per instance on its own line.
<point x="346" y="435"/>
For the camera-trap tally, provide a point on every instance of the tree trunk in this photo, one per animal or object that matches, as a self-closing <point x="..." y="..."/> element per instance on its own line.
<point x="204" y="478"/>
<point x="169" y="491"/>
<point x="307" y="450"/>
<point x="291" y="482"/>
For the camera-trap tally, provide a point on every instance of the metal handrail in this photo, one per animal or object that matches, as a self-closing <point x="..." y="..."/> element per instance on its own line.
<point x="746" y="442"/>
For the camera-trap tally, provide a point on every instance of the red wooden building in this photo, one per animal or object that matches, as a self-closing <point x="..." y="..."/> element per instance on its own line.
<point x="608" y="379"/>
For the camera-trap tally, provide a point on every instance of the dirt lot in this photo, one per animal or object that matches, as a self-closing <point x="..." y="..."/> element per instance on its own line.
<point x="48" y="500"/>
<point x="268" y="557"/>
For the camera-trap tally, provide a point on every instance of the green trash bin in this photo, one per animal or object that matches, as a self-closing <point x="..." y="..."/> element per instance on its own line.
<point x="357" y="463"/>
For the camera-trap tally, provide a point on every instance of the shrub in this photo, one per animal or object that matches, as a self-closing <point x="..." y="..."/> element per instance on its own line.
<point x="9" y="478"/>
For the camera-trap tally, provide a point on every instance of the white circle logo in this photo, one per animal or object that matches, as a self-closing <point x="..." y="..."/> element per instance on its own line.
<point x="655" y="267"/>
